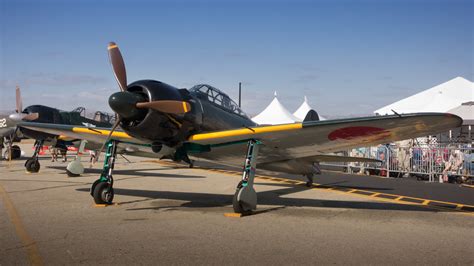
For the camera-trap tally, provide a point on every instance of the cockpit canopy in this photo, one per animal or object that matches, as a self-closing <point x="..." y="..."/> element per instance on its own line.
<point x="217" y="97"/>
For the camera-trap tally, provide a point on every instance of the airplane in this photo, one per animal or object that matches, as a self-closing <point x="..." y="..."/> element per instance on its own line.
<point x="44" y="114"/>
<point x="48" y="114"/>
<point x="9" y="130"/>
<point x="165" y="122"/>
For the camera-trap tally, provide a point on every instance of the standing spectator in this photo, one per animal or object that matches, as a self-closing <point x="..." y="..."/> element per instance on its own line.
<point x="455" y="161"/>
<point x="92" y="159"/>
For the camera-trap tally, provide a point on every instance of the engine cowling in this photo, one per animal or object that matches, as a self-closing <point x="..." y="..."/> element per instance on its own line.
<point x="148" y="124"/>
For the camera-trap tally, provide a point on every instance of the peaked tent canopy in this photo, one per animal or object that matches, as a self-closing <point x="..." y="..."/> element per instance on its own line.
<point x="441" y="98"/>
<point x="465" y="111"/>
<point x="303" y="110"/>
<point x="275" y="114"/>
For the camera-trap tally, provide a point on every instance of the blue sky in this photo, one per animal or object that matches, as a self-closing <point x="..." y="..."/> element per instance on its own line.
<point x="347" y="57"/>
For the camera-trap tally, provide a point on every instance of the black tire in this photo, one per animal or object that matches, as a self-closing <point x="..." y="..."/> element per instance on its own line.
<point x="236" y="205"/>
<point x="32" y="166"/>
<point x="103" y="193"/>
<point x="16" y="152"/>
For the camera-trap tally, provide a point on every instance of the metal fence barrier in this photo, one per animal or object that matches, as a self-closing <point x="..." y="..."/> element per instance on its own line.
<point x="443" y="164"/>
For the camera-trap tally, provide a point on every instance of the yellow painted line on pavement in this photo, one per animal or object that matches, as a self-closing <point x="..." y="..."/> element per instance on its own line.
<point x="233" y="214"/>
<point x="105" y="205"/>
<point x="28" y="243"/>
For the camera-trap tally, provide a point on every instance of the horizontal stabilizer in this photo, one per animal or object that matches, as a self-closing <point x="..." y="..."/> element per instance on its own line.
<point x="338" y="158"/>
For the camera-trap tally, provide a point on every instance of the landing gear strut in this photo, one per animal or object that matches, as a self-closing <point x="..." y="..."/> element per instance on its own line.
<point x="310" y="181"/>
<point x="315" y="170"/>
<point x="32" y="165"/>
<point x="13" y="151"/>
<point x="245" y="197"/>
<point x="102" y="190"/>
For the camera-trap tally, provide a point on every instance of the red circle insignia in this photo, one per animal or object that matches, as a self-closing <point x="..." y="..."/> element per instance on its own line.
<point x="354" y="132"/>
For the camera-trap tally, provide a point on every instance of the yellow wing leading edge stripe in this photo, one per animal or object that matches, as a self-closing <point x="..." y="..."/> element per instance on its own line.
<point x="245" y="131"/>
<point x="116" y="134"/>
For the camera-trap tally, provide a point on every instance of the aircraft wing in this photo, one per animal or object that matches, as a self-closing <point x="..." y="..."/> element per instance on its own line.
<point x="307" y="139"/>
<point x="92" y="134"/>
<point x="303" y="141"/>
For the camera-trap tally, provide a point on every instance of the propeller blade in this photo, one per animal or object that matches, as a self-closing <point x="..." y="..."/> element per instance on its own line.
<point x="19" y="104"/>
<point x="118" y="65"/>
<point x="107" y="139"/>
<point x="167" y="106"/>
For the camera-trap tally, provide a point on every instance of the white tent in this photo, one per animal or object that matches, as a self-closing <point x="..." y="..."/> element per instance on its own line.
<point x="465" y="111"/>
<point x="441" y="98"/>
<point x="303" y="110"/>
<point x="275" y="114"/>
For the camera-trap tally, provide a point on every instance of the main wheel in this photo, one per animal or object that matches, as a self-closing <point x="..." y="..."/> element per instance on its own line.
<point x="236" y="204"/>
<point x="103" y="193"/>
<point x="32" y="166"/>
<point x="16" y="152"/>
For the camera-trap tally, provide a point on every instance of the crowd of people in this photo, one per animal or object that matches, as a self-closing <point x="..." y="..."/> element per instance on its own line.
<point x="453" y="163"/>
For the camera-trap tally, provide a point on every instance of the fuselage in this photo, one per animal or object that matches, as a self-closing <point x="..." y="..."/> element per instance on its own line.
<point x="7" y="127"/>
<point x="51" y="115"/>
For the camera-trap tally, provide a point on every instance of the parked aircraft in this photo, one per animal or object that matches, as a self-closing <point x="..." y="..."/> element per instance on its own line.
<point x="163" y="121"/>
<point x="52" y="115"/>
<point x="8" y="128"/>
<point x="43" y="114"/>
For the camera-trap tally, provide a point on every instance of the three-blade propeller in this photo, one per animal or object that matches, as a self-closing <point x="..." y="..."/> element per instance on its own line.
<point x="125" y="103"/>
<point x="164" y="106"/>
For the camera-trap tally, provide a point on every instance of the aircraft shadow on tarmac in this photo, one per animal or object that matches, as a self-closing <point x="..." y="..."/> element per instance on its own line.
<point x="272" y="198"/>
<point x="132" y="172"/>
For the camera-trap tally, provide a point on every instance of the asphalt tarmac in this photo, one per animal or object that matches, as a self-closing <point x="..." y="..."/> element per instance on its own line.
<point x="169" y="214"/>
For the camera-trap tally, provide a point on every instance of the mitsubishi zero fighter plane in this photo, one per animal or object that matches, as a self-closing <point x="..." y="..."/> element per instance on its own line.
<point x="162" y="121"/>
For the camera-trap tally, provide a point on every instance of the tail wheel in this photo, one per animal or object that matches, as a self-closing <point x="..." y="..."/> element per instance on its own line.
<point x="103" y="193"/>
